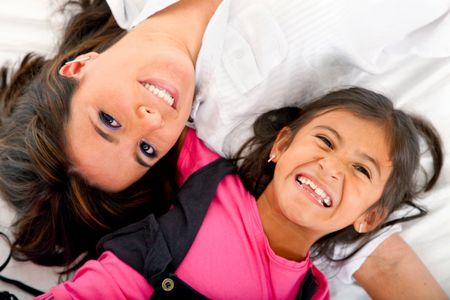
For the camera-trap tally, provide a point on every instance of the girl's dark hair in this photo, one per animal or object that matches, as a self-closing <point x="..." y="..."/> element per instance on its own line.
<point x="59" y="215"/>
<point x="403" y="131"/>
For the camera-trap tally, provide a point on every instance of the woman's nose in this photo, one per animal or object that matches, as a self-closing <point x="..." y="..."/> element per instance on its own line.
<point x="150" y="119"/>
<point x="332" y="168"/>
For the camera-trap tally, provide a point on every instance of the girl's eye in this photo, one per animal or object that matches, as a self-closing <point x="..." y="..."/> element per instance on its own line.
<point x="147" y="149"/>
<point x="326" y="141"/>
<point x="362" y="170"/>
<point x="109" y="120"/>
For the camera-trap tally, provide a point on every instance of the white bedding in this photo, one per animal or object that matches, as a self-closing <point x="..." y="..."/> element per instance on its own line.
<point x="420" y="85"/>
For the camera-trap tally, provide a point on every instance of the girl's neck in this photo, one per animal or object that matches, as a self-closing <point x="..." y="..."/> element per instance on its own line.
<point x="184" y="22"/>
<point x="286" y="239"/>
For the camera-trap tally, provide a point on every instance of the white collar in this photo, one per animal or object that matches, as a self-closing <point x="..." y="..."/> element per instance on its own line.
<point x="129" y="13"/>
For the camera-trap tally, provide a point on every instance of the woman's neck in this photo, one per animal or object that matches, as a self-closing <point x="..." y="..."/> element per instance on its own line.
<point x="184" y="22"/>
<point x="286" y="239"/>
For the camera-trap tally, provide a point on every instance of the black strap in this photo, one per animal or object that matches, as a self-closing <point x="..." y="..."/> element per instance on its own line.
<point x="24" y="287"/>
<point x="192" y="203"/>
<point x="307" y="288"/>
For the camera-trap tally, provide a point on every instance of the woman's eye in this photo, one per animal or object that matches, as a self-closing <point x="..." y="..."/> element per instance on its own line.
<point x="362" y="170"/>
<point x="326" y="141"/>
<point x="108" y="120"/>
<point x="147" y="149"/>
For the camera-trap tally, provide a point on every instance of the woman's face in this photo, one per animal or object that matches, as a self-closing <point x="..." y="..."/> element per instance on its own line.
<point x="332" y="172"/>
<point x="131" y="106"/>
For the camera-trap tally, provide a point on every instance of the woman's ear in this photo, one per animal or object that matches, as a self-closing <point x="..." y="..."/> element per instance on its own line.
<point x="281" y="144"/>
<point x="370" y="220"/>
<point x="72" y="68"/>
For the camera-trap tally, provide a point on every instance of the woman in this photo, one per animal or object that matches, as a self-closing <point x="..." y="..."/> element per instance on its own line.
<point x="50" y="174"/>
<point x="94" y="211"/>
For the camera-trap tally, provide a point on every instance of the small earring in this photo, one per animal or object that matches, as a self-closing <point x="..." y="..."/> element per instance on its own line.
<point x="271" y="158"/>
<point x="361" y="228"/>
<point x="79" y="59"/>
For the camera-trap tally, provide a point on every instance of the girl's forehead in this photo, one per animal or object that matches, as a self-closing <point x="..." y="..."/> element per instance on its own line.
<point x="345" y="117"/>
<point x="341" y="116"/>
<point x="347" y="125"/>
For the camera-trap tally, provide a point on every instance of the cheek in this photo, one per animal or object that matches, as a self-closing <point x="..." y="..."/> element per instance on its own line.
<point x="362" y="198"/>
<point x="286" y="195"/>
<point x="183" y="70"/>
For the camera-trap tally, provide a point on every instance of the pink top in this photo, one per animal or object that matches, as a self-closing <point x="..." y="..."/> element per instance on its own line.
<point x="229" y="259"/>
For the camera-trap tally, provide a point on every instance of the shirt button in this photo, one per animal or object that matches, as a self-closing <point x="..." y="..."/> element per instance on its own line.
<point x="167" y="284"/>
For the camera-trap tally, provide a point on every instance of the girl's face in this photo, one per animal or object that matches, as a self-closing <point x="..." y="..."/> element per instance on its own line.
<point x="130" y="108"/>
<point x="333" y="171"/>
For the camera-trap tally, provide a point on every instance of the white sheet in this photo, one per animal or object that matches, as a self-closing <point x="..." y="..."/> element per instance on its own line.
<point x="420" y="85"/>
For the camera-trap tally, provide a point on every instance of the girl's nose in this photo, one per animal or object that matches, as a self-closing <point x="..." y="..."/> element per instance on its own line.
<point x="332" y="168"/>
<point x="150" y="119"/>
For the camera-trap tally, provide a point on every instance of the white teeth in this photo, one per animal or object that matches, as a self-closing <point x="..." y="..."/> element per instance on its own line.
<point x="168" y="98"/>
<point x="326" y="200"/>
<point x="159" y="92"/>
<point x="320" y="192"/>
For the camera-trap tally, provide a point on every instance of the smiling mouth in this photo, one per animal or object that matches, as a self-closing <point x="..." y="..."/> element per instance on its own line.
<point x="322" y="197"/>
<point x="160" y="92"/>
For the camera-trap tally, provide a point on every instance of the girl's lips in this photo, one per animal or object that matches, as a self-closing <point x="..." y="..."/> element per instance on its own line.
<point x="166" y="86"/>
<point x="315" y="189"/>
<point x="311" y="195"/>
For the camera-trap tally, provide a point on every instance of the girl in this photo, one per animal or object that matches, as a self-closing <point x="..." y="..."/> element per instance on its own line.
<point x="328" y="173"/>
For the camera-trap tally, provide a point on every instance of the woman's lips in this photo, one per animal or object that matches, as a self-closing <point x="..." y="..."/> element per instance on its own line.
<point x="162" y="90"/>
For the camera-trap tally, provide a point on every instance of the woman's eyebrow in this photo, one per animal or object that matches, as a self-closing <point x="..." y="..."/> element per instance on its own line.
<point x="104" y="135"/>
<point x="142" y="162"/>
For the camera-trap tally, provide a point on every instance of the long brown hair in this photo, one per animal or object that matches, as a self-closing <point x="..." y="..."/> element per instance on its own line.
<point x="59" y="215"/>
<point x="403" y="130"/>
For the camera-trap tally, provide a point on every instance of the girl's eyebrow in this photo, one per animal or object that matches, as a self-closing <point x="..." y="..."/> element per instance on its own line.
<point x="372" y="160"/>
<point x="334" y="132"/>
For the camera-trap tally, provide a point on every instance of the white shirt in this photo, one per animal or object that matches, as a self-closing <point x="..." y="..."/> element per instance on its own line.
<point x="293" y="50"/>
<point x="265" y="54"/>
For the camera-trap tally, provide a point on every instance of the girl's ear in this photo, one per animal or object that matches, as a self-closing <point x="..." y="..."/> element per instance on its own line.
<point x="281" y="143"/>
<point x="370" y="220"/>
<point x="72" y="68"/>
